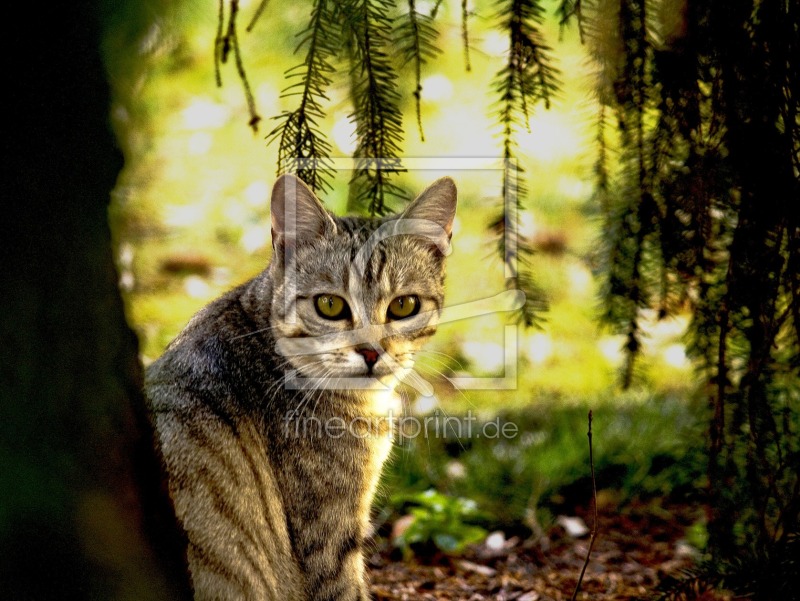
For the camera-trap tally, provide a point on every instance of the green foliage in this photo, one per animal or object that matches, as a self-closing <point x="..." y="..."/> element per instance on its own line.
<point x="701" y="215"/>
<point x="644" y="448"/>
<point x="439" y="521"/>
<point x="416" y="33"/>
<point x="302" y="147"/>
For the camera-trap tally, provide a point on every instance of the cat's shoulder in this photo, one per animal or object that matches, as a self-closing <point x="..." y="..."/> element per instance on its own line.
<point x="200" y="351"/>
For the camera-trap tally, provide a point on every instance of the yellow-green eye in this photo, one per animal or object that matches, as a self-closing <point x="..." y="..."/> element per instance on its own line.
<point x="331" y="306"/>
<point x="403" y="306"/>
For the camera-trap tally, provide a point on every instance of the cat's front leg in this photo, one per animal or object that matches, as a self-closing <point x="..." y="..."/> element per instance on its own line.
<point x="334" y="568"/>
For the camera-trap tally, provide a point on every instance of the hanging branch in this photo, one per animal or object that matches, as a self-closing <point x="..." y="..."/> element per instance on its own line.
<point x="601" y="170"/>
<point x="379" y="122"/>
<point x="633" y="272"/>
<point x="527" y="78"/>
<point x="465" y="33"/>
<point x="416" y="38"/>
<point x="226" y="40"/>
<point x="302" y="148"/>
<point x="567" y="10"/>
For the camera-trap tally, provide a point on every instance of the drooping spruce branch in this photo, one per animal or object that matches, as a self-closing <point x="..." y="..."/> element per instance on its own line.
<point x="302" y="147"/>
<point x="568" y="10"/>
<point x="527" y="78"/>
<point x="633" y="219"/>
<point x="703" y="219"/>
<point x="416" y="39"/>
<point x="376" y="104"/>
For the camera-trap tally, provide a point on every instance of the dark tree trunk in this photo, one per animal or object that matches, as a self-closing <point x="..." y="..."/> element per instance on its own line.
<point x="82" y="513"/>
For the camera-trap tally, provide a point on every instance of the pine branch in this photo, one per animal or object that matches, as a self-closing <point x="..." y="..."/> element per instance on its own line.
<point x="379" y="126"/>
<point x="527" y="78"/>
<point x="416" y="40"/>
<point x="567" y="10"/>
<point x="302" y="148"/>
<point x="601" y="168"/>
<point x="528" y="75"/>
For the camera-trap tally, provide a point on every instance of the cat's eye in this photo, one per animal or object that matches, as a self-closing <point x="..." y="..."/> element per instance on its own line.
<point x="331" y="306"/>
<point x="403" y="306"/>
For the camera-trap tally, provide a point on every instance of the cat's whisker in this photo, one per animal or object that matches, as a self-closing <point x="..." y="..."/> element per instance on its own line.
<point x="319" y="389"/>
<point x="253" y="333"/>
<point x="444" y="376"/>
<point x="447" y="355"/>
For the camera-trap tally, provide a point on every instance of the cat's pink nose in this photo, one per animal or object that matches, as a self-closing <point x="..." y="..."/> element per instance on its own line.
<point x="370" y="355"/>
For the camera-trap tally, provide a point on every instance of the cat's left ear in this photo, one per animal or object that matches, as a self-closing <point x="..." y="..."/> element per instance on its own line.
<point x="437" y="203"/>
<point x="297" y="215"/>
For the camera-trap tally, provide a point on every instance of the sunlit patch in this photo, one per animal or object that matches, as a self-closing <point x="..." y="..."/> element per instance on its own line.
<point x="183" y="216"/>
<point x="267" y="95"/>
<point x="611" y="348"/>
<point x="580" y="279"/>
<point x="575" y="188"/>
<point x="495" y="43"/>
<point x="235" y="212"/>
<point x="487" y="357"/>
<point x="437" y="88"/>
<point x="204" y="114"/>
<point x="344" y="134"/>
<point x="453" y="137"/>
<point x="254" y="238"/>
<point x="257" y="194"/>
<point x="126" y="281"/>
<point x="552" y="137"/>
<point x="675" y="355"/>
<point x="196" y="287"/>
<point x="527" y="225"/>
<point x="539" y="348"/>
<point x="200" y="143"/>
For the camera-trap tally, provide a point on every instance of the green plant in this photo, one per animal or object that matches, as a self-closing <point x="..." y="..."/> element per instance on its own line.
<point x="438" y="522"/>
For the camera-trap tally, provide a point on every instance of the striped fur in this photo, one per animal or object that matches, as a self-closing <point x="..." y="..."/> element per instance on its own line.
<point x="274" y="506"/>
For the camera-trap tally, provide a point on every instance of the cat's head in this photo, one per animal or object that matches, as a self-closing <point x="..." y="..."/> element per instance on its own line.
<point x="354" y="298"/>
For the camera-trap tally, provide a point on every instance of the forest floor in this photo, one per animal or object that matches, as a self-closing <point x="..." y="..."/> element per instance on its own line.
<point x="635" y="549"/>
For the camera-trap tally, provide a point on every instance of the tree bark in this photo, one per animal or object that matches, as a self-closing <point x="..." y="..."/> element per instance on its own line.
<point x="82" y="512"/>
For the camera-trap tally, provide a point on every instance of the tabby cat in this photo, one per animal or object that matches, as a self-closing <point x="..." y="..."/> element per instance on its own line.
<point x="270" y="407"/>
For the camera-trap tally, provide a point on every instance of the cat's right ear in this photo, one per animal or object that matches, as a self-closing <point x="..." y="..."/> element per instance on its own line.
<point x="297" y="215"/>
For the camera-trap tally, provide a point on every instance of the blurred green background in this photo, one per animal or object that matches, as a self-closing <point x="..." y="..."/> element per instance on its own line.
<point x="190" y="216"/>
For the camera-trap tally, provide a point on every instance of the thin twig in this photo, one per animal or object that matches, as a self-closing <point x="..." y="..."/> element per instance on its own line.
<point x="256" y="15"/>
<point x="594" y="524"/>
